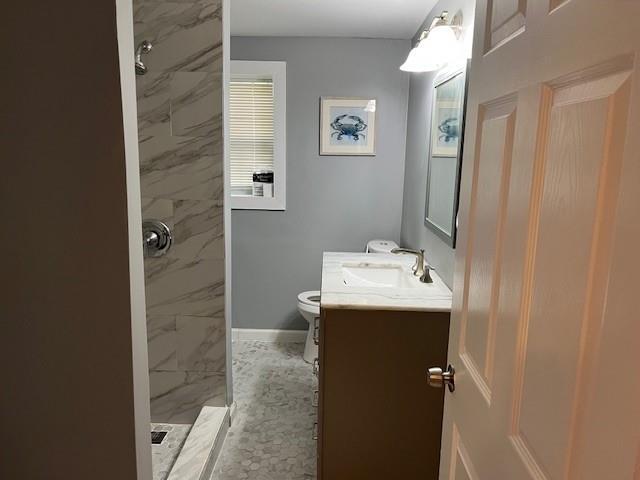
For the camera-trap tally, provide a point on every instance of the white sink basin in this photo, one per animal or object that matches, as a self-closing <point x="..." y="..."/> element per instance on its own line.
<point x="377" y="275"/>
<point x="382" y="281"/>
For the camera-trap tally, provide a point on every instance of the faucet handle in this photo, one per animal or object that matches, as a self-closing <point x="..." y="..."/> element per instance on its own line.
<point x="426" y="276"/>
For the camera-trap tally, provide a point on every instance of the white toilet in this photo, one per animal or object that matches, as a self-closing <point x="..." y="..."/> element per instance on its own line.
<point x="309" y="303"/>
<point x="309" y="308"/>
<point x="380" y="246"/>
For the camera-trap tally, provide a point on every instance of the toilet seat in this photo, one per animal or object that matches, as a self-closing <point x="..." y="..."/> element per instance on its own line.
<point x="311" y="298"/>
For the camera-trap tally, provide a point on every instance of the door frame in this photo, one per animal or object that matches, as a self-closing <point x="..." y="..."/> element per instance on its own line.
<point x="226" y="164"/>
<point x="140" y="358"/>
<point x="142" y="402"/>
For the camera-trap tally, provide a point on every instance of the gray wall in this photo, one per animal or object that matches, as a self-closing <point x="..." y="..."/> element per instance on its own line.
<point x="333" y="203"/>
<point x="180" y="128"/>
<point x="414" y="233"/>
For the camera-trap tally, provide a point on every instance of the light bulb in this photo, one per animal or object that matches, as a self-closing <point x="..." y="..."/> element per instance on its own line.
<point x="412" y="63"/>
<point x="439" y="47"/>
<point x="442" y="44"/>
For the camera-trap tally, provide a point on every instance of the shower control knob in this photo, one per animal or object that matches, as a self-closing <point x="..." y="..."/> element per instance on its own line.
<point x="438" y="378"/>
<point x="156" y="238"/>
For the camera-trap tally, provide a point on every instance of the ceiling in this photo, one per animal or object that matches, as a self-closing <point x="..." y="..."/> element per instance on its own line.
<point x="329" y="18"/>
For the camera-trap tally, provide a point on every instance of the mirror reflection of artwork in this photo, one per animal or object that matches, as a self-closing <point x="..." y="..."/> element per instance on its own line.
<point x="347" y="126"/>
<point x="445" y="156"/>
<point x="447" y="117"/>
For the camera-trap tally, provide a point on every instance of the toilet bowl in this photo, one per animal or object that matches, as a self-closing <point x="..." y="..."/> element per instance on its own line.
<point x="309" y="303"/>
<point x="309" y="308"/>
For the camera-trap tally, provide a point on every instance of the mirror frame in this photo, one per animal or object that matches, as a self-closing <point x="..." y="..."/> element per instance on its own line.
<point x="449" y="238"/>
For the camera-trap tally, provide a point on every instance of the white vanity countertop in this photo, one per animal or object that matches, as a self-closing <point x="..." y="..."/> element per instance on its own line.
<point x="335" y="293"/>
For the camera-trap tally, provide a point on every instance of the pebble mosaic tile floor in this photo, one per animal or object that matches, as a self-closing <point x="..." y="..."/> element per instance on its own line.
<point x="271" y="435"/>
<point x="165" y="454"/>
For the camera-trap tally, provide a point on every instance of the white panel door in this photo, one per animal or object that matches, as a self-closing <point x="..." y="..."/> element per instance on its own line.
<point x="545" y="333"/>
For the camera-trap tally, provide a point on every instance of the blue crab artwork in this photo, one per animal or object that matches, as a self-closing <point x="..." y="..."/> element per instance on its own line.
<point x="350" y="126"/>
<point x="450" y="130"/>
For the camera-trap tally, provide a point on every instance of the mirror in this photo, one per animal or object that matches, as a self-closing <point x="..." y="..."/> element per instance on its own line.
<point x="445" y="153"/>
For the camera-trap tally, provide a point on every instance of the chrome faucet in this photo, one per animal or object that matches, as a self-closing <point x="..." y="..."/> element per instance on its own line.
<point x="420" y="268"/>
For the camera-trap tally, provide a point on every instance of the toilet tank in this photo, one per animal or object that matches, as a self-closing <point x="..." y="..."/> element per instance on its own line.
<point x="380" y="246"/>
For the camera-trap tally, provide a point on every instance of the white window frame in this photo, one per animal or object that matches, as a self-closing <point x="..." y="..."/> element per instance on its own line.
<point x="278" y="72"/>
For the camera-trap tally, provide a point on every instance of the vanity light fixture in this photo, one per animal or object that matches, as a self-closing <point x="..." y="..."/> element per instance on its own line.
<point x="436" y="47"/>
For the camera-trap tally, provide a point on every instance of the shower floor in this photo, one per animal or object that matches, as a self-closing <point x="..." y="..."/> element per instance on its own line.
<point x="165" y="454"/>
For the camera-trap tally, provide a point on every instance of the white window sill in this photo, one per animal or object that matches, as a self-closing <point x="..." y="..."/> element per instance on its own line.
<point x="249" y="202"/>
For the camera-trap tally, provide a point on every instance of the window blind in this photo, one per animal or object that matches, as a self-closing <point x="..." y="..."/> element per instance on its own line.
<point x="250" y="130"/>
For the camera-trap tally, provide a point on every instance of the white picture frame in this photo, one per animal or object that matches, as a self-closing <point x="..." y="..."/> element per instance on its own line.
<point x="347" y="126"/>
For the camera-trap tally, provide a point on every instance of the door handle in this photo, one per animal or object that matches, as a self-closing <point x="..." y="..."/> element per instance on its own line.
<point x="438" y="378"/>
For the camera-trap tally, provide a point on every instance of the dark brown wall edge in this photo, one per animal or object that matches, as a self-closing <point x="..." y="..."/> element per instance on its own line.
<point x="67" y="396"/>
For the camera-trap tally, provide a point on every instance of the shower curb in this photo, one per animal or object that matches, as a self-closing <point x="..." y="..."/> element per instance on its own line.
<point x="202" y="447"/>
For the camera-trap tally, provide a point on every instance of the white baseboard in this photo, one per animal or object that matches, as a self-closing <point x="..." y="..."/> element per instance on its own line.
<point x="267" y="335"/>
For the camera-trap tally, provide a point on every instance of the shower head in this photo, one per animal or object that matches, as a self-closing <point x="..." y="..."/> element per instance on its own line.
<point x="143" y="48"/>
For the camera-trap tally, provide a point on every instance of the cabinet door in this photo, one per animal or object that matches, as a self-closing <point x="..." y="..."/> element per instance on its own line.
<point x="378" y="417"/>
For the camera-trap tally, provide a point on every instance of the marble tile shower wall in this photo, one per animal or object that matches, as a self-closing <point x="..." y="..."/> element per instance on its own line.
<point x="180" y="129"/>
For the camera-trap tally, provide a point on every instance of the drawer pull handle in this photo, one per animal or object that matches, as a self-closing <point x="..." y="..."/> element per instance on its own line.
<point x="316" y="367"/>
<point x="314" y="435"/>
<point x="314" y="402"/>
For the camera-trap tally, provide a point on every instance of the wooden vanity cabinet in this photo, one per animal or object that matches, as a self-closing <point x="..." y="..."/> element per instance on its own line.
<point x="377" y="417"/>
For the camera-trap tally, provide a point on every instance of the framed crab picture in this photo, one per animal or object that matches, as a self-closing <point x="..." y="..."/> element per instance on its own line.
<point x="347" y="126"/>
